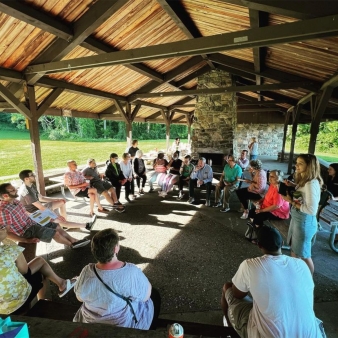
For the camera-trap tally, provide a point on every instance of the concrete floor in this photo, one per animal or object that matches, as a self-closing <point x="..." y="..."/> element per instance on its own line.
<point x="188" y="252"/>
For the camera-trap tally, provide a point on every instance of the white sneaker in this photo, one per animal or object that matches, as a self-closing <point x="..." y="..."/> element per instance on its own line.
<point x="191" y="200"/>
<point x="218" y="205"/>
<point x="245" y="215"/>
<point x="225" y="210"/>
<point x="207" y="203"/>
<point x="180" y="196"/>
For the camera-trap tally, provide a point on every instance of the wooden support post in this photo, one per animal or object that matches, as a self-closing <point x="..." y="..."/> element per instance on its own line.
<point x="286" y="124"/>
<point x="129" y="127"/>
<point x="296" y="114"/>
<point x="316" y="118"/>
<point x="35" y="138"/>
<point x="166" y="118"/>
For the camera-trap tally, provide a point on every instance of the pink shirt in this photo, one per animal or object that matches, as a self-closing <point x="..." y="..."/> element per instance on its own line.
<point x="272" y="197"/>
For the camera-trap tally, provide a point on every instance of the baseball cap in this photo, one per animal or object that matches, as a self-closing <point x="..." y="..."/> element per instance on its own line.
<point x="269" y="238"/>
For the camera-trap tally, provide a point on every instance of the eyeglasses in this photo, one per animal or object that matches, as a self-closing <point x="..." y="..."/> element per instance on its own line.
<point x="31" y="175"/>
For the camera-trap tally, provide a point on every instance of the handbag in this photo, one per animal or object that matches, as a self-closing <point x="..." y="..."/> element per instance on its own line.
<point x="250" y="233"/>
<point x="127" y="299"/>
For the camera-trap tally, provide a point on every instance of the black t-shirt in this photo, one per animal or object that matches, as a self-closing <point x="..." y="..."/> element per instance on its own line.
<point x="132" y="151"/>
<point x="176" y="165"/>
<point x="332" y="187"/>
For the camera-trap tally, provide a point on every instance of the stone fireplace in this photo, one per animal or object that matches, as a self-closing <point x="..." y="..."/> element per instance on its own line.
<point x="215" y="121"/>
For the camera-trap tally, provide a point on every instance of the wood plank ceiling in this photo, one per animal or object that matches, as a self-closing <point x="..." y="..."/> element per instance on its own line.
<point x="104" y="58"/>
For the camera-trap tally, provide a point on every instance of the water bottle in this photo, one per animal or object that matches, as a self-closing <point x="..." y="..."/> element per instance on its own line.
<point x="176" y="331"/>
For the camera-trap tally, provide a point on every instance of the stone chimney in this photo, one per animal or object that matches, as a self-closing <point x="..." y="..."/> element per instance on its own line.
<point x="215" y="121"/>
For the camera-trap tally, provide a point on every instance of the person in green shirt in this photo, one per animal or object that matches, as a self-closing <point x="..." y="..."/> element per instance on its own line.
<point x="185" y="171"/>
<point x="228" y="183"/>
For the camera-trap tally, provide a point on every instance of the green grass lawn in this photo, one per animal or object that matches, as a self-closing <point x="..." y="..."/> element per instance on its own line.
<point x="15" y="151"/>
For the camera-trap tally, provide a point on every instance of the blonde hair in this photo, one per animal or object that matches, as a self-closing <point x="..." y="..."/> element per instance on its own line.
<point x="312" y="171"/>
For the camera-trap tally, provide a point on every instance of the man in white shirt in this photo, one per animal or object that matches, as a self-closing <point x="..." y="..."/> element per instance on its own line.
<point x="281" y="288"/>
<point x="243" y="161"/>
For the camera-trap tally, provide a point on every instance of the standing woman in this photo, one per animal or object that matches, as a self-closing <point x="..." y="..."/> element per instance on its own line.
<point x="304" y="203"/>
<point x="139" y="170"/>
<point x="127" y="172"/>
<point x="253" y="147"/>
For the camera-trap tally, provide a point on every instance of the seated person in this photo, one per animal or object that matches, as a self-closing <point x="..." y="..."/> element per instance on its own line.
<point x="243" y="162"/>
<point x="185" y="171"/>
<point x="114" y="173"/>
<point x="139" y="171"/>
<point x="32" y="200"/>
<point x="160" y="170"/>
<point x="172" y="177"/>
<point x="127" y="174"/>
<point x="256" y="190"/>
<point x="272" y="206"/>
<point x="21" y="282"/>
<point x="101" y="285"/>
<point x="133" y="149"/>
<point x="201" y="175"/>
<point x="332" y="185"/>
<point x="20" y="227"/>
<point x="103" y="187"/>
<point x="77" y="185"/>
<point x="228" y="183"/>
<point x="280" y="303"/>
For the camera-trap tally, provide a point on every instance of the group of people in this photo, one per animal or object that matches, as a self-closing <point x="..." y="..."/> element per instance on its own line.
<point x="111" y="291"/>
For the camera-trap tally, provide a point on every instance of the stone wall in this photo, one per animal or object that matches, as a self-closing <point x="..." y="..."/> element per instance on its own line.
<point x="215" y="119"/>
<point x="269" y="137"/>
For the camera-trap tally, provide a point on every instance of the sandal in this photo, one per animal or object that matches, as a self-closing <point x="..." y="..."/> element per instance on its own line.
<point x="103" y="210"/>
<point x="70" y="283"/>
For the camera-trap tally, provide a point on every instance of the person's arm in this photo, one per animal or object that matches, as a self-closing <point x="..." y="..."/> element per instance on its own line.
<point x="21" y="264"/>
<point x="238" y="293"/>
<point x="68" y="182"/>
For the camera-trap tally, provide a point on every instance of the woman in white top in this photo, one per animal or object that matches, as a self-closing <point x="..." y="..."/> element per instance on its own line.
<point x="253" y="147"/>
<point x="127" y="171"/>
<point x="304" y="201"/>
<point x="100" y="287"/>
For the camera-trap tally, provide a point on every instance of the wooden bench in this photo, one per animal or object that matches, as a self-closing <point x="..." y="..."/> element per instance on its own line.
<point x="66" y="312"/>
<point x="329" y="215"/>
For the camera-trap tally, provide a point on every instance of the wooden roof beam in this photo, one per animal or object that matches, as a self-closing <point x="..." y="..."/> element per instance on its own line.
<point x="294" y="9"/>
<point x="183" y="20"/>
<point x="48" y="101"/>
<point x="216" y="91"/>
<point x="246" y="69"/>
<point x="150" y="104"/>
<point x="14" y="102"/>
<point x="28" y="14"/>
<point x="97" y="14"/>
<point x="154" y="116"/>
<point x="257" y="37"/>
<point x="261" y="103"/>
<point x="258" y="19"/>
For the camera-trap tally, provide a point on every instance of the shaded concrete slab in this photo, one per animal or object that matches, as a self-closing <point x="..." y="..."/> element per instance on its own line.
<point x="187" y="252"/>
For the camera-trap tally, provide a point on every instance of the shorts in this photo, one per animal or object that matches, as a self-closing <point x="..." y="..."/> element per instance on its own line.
<point x="238" y="312"/>
<point x="35" y="281"/>
<point x="101" y="186"/>
<point x="83" y="193"/>
<point x="43" y="233"/>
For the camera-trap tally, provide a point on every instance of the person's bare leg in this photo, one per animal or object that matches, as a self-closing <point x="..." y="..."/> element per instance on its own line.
<point x="108" y="197"/>
<point x="97" y="201"/>
<point x="39" y="264"/>
<point x="73" y="225"/>
<point x="63" y="237"/>
<point x="91" y="202"/>
<point x="112" y="193"/>
<point x="61" y="205"/>
<point x="224" y="304"/>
